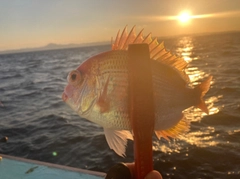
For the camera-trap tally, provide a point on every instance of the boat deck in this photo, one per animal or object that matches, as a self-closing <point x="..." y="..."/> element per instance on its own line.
<point x="19" y="168"/>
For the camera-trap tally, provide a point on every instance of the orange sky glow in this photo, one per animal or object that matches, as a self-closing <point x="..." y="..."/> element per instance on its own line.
<point x="27" y="24"/>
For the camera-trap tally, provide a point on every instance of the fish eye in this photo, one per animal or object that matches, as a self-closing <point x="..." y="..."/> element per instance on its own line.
<point x="75" y="77"/>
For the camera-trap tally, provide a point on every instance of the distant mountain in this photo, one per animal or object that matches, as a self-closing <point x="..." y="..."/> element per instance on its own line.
<point x="53" y="46"/>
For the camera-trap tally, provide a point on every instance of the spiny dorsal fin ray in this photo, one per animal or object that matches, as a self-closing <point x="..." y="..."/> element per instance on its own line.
<point x="115" y="44"/>
<point x="148" y="39"/>
<point x="159" y="54"/>
<point x="139" y="37"/>
<point x="130" y="38"/>
<point x="123" y="38"/>
<point x="157" y="51"/>
<point x="153" y="44"/>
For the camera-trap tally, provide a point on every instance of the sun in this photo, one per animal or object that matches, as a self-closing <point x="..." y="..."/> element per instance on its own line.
<point x="184" y="17"/>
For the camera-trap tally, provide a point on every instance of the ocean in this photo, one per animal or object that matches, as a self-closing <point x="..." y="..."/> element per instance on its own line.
<point x="40" y="126"/>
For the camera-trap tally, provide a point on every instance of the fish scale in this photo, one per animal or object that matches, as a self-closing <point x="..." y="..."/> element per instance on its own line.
<point x="115" y="69"/>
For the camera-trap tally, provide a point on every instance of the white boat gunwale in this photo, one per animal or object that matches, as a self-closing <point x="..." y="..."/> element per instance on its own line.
<point x="51" y="165"/>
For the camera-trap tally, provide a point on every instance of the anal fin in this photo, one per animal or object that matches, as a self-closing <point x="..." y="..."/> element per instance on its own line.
<point x="181" y="127"/>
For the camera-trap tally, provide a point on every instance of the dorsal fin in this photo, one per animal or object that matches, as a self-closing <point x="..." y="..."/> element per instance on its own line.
<point x="157" y="51"/>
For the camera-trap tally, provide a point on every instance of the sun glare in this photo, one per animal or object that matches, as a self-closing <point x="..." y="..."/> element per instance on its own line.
<point x="184" y="17"/>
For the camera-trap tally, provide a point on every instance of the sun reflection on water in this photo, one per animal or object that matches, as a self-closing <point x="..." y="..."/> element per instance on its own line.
<point x="185" y="50"/>
<point x="202" y="137"/>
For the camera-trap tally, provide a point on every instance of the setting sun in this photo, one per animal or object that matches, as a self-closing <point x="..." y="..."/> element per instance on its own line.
<point x="184" y="17"/>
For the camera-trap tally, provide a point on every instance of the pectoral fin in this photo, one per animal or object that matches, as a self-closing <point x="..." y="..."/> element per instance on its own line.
<point x="117" y="140"/>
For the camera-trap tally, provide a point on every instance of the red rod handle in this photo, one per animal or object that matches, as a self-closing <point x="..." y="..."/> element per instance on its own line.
<point x="141" y="106"/>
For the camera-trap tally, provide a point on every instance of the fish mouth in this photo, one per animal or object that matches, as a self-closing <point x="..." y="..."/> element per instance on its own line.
<point x="64" y="97"/>
<point x="67" y="93"/>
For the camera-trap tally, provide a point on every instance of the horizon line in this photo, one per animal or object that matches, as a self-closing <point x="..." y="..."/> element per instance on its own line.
<point x="86" y="44"/>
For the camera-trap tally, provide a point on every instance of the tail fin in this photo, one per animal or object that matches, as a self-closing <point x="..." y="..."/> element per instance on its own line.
<point x="203" y="89"/>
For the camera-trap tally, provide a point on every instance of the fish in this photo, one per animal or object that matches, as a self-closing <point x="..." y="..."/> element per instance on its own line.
<point x="98" y="90"/>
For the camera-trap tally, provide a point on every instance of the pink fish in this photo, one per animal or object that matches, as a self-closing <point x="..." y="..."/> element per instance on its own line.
<point x="98" y="91"/>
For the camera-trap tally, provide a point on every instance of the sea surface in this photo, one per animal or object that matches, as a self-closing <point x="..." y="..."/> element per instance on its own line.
<point x="41" y="126"/>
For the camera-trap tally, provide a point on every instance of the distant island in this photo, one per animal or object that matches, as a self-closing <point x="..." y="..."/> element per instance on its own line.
<point x="53" y="46"/>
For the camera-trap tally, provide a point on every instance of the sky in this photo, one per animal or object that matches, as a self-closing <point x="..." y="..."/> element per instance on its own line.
<point x="36" y="23"/>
